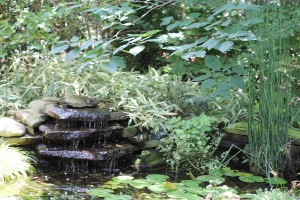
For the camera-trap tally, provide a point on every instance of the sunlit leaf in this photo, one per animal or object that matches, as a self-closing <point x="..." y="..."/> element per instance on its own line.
<point x="166" y="21"/>
<point x="211" y="43"/>
<point x="208" y="84"/>
<point x="225" y="46"/>
<point x="136" y="50"/>
<point x="150" y="33"/>
<point x="58" y="48"/>
<point x="212" y="62"/>
<point x="72" y="54"/>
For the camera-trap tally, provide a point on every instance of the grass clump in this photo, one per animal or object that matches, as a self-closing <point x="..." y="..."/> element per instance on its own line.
<point x="14" y="163"/>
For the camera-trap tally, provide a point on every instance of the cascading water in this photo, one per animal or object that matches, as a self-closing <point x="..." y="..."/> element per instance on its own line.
<point x="82" y="135"/>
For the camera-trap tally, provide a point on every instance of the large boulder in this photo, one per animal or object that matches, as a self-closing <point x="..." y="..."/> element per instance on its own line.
<point x="38" y="106"/>
<point x="11" y="128"/>
<point x="30" y="118"/>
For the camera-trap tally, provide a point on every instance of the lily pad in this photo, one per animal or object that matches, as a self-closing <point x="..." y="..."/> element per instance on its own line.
<point x="216" y="172"/>
<point x="209" y="178"/>
<point x="276" y="181"/>
<point x="252" y="179"/>
<point x="176" y="194"/>
<point x="244" y="174"/>
<point x="157" y="177"/>
<point x="112" y="185"/>
<point x="123" y="179"/>
<point x="100" y="192"/>
<point x="119" y="197"/>
<point x="158" y="188"/>
<point x="230" y="172"/>
<point x="140" y="183"/>
<point x="191" y="183"/>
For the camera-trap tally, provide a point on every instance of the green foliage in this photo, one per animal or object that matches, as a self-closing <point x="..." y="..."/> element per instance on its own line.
<point x="269" y="140"/>
<point x="14" y="163"/>
<point x="191" y="144"/>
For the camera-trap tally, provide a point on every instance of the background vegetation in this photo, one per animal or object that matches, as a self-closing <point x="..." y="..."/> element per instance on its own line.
<point x="151" y="59"/>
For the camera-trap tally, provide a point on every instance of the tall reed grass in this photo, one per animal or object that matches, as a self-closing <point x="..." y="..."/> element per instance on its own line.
<point x="270" y="90"/>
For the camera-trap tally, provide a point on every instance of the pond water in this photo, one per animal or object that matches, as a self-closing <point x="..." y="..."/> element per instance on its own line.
<point x="71" y="181"/>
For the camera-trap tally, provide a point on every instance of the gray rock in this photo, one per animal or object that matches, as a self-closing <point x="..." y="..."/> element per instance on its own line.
<point x="78" y="101"/>
<point x="11" y="128"/>
<point x="30" y="118"/>
<point x="11" y="113"/>
<point x="23" y="140"/>
<point x="152" y="144"/>
<point x="96" y="154"/>
<point x="86" y="114"/>
<point x="129" y="131"/>
<point x="55" y="100"/>
<point x="115" y="116"/>
<point x="151" y="158"/>
<point x="142" y="137"/>
<point x="38" y="106"/>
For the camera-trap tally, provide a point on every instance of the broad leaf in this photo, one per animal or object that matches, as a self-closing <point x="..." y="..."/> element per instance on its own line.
<point x="223" y="89"/>
<point x="212" y="62"/>
<point x="150" y="33"/>
<point x="136" y="50"/>
<point x="197" y="25"/>
<point x="72" y="54"/>
<point x="237" y="82"/>
<point x="58" y="48"/>
<point x="186" y="56"/>
<point x="225" y="46"/>
<point x="202" y="77"/>
<point x="208" y="84"/>
<point x="118" y="61"/>
<point x="74" y="39"/>
<point x="200" y="54"/>
<point x="166" y="21"/>
<point x="172" y="26"/>
<point x="120" y="48"/>
<point x="87" y="44"/>
<point x="211" y="43"/>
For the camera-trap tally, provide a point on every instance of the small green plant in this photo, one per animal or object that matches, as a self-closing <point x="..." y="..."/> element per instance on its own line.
<point x="191" y="144"/>
<point x="14" y="163"/>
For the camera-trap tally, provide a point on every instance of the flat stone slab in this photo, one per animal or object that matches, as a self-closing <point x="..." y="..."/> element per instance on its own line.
<point x="95" y="154"/>
<point x="24" y="140"/>
<point x="70" y="114"/>
<point x="74" y="133"/>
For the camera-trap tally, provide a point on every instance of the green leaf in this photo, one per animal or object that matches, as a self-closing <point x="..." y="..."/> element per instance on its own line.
<point x="158" y="188"/>
<point x="211" y="43"/>
<point x="202" y="77"/>
<point x="197" y="25"/>
<point x="237" y="82"/>
<point x="72" y="54"/>
<point x="239" y="70"/>
<point x="200" y="54"/>
<point x="227" y="22"/>
<point x="208" y="84"/>
<point x="120" y="48"/>
<point x="100" y="192"/>
<point x="109" y="66"/>
<point x="118" y="61"/>
<point x="252" y="179"/>
<point x="150" y="33"/>
<point x="87" y="44"/>
<point x="212" y="62"/>
<point x="136" y="50"/>
<point x="225" y="46"/>
<point x="172" y="26"/>
<point x="157" y="177"/>
<point x="208" y="178"/>
<point x="140" y="183"/>
<point x="223" y="89"/>
<point x="186" y="56"/>
<point x="166" y="21"/>
<point x="122" y="179"/>
<point x="74" y="39"/>
<point x="276" y="181"/>
<point x="58" y="48"/>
